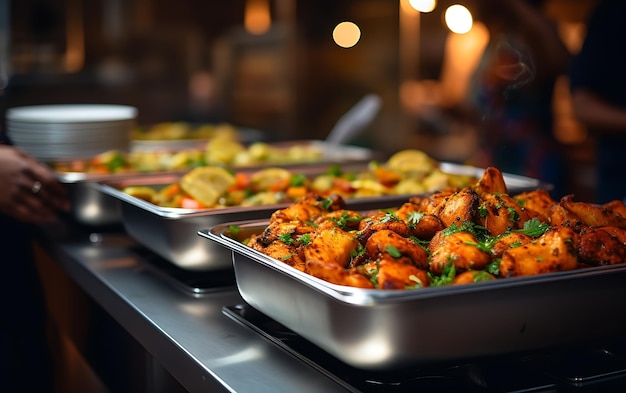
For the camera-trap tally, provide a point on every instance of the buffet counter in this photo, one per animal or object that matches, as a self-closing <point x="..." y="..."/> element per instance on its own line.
<point x="183" y="332"/>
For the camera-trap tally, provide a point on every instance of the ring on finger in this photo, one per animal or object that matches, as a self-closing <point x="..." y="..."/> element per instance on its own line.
<point x="36" y="187"/>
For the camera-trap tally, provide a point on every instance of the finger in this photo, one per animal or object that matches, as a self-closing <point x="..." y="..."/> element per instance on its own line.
<point x="33" y="209"/>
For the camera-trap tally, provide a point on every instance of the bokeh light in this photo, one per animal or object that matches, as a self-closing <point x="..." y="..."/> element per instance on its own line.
<point x="424" y="6"/>
<point x="346" y="34"/>
<point x="458" y="19"/>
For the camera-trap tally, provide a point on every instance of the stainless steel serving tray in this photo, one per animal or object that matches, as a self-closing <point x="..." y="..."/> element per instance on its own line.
<point x="90" y="206"/>
<point x="172" y="232"/>
<point x="383" y="330"/>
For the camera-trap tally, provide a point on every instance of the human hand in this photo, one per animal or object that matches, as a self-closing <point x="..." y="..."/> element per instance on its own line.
<point x="30" y="191"/>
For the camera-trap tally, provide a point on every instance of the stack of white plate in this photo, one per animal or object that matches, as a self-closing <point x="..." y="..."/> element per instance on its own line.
<point x="64" y="132"/>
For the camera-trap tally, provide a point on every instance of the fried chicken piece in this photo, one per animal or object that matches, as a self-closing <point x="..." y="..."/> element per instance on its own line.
<point x="602" y="246"/>
<point x="491" y="182"/>
<point x="472" y="276"/>
<point x="510" y="240"/>
<point x="345" y="219"/>
<point x="499" y="213"/>
<point x="277" y="230"/>
<point x="459" y="208"/>
<point x="422" y="225"/>
<point x="609" y="214"/>
<point x="331" y="246"/>
<point x="561" y="216"/>
<point x="382" y="221"/>
<point x="393" y="273"/>
<point x="308" y="208"/>
<point x="386" y="242"/>
<point x="553" y="251"/>
<point x="337" y="275"/>
<point x="537" y="203"/>
<point x="458" y="248"/>
<point x="432" y="204"/>
<point x="285" y="253"/>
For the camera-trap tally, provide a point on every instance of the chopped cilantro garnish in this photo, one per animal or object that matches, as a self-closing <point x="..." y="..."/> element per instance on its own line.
<point x="414" y="218"/>
<point x="334" y="170"/>
<point x="482" y="210"/>
<point x="393" y="251"/>
<point x="534" y="227"/>
<point x="286" y="238"/>
<point x="390" y="216"/>
<point x="482" y="276"/>
<point x="513" y="215"/>
<point x="117" y="162"/>
<point x="345" y="219"/>
<point x="233" y="230"/>
<point x="298" y="179"/>
<point x="447" y="276"/>
<point x="360" y="250"/>
<point x="304" y="239"/>
<point x="327" y="203"/>
<point x="494" y="267"/>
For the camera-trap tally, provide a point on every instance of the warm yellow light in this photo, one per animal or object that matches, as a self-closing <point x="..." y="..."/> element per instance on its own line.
<point x="424" y="6"/>
<point x="257" y="19"/>
<point x="346" y="34"/>
<point x="458" y="19"/>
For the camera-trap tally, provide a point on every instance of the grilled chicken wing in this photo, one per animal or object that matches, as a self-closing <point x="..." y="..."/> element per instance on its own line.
<point x="593" y="215"/>
<point x="491" y="182"/>
<point x="499" y="213"/>
<point x="553" y="251"/>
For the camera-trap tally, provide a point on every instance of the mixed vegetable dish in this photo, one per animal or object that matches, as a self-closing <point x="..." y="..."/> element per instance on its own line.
<point x="406" y="172"/>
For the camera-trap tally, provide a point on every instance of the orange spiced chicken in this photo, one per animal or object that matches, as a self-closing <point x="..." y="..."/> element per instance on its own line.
<point x="454" y="236"/>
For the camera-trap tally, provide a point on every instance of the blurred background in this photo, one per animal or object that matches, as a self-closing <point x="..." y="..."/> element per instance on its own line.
<point x="290" y="68"/>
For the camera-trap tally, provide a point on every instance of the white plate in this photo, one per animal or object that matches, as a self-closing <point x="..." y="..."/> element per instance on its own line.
<point x="71" y="113"/>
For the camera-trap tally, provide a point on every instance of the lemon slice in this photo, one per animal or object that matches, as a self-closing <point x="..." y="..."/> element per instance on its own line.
<point x="141" y="192"/>
<point x="411" y="160"/>
<point x="207" y="184"/>
<point x="270" y="179"/>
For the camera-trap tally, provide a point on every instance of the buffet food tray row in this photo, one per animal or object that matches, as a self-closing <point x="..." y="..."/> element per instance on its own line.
<point x="172" y="232"/>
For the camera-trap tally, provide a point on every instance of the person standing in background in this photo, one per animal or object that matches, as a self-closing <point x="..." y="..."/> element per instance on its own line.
<point x="512" y="91"/>
<point x="598" y="87"/>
